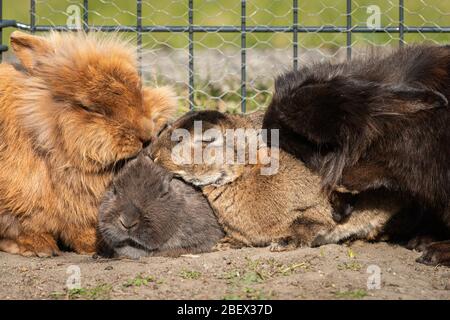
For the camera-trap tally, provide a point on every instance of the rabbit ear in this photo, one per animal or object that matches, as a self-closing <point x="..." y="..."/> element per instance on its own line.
<point x="165" y="188"/>
<point x="406" y="100"/>
<point x="326" y="112"/>
<point x="320" y="112"/>
<point x="28" y="48"/>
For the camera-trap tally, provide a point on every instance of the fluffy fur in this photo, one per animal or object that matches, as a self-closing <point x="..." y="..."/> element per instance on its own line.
<point x="379" y="122"/>
<point x="284" y="209"/>
<point x="75" y="110"/>
<point x="147" y="212"/>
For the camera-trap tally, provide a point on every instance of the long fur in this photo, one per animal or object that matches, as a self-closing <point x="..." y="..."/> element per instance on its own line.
<point x="76" y="110"/>
<point x="255" y="209"/>
<point x="378" y="122"/>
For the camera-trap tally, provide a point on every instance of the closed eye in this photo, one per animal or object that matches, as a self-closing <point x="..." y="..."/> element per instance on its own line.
<point x="164" y="127"/>
<point x="91" y="109"/>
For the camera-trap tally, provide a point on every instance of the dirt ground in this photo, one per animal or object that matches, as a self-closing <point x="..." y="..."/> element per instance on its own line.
<point x="328" y="272"/>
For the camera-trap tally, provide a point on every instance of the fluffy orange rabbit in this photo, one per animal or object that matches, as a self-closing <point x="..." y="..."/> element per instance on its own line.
<point x="75" y="110"/>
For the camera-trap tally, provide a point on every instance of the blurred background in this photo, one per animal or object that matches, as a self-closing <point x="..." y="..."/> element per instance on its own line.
<point x="217" y="55"/>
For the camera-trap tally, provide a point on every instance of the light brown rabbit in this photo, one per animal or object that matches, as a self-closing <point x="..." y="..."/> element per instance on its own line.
<point x="74" y="112"/>
<point x="285" y="209"/>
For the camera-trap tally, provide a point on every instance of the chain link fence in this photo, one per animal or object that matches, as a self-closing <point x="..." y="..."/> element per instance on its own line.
<point x="225" y="54"/>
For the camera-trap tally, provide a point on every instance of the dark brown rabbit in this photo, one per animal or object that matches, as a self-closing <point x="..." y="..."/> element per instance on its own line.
<point x="378" y="122"/>
<point x="147" y="212"/>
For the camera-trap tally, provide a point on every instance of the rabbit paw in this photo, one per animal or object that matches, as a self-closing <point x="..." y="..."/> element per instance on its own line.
<point x="227" y="243"/>
<point x="34" y="245"/>
<point x="284" y="244"/>
<point x="342" y="206"/>
<point x="437" y="253"/>
<point x="222" y="247"/>
<point x="420" y="242"/>
<point x="82" y="241"/>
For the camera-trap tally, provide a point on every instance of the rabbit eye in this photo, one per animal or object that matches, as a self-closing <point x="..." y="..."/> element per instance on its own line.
<point x="91" y="109"/>
<point x="162" y="129"/>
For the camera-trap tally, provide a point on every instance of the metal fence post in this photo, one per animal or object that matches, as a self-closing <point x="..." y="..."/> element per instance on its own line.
<point x="191" y="29"/>
<point x="191" y="54"/>
<point x="401" y="27"/>
<point x="1" y="31"/>
<point x="349" y="29"/>
<point x="295" y="33"/>
<point x="139" y="34"/>
<point x="243" y="56"/>
<point x="86" y="16"/>
<point x="4" y="24"/>
<point x="33" y="16"/>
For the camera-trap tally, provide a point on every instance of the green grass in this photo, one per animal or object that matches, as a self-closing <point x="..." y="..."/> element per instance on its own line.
<point x="351" y="254"/>
<point x="139" y="281"/>
<point x="226" y="96"/>
<point x="190" y="274"/>
<point x="352" y="294"/>
<point x="236" y="277"/>
<point x="100" y="292"/>
<point x="352" y="266"/>
<point x="260" y="270"/>
<point x="211" y="97"/>
<point x="259" y="12"/>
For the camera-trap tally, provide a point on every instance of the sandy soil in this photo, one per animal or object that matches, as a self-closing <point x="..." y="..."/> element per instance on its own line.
<point x="328" y="272"/>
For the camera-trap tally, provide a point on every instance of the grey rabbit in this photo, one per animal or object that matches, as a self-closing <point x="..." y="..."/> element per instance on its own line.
<point x="147" y="212"/>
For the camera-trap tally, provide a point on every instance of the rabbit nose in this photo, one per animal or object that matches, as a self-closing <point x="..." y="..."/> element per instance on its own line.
<point x="128" y="224"/>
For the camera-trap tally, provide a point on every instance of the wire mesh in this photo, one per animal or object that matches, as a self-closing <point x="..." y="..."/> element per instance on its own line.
<point x="225" y="54"/>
